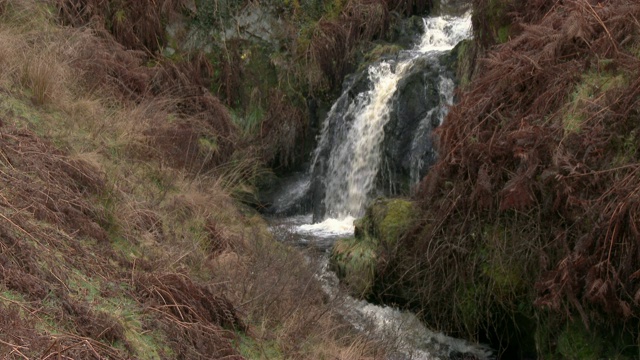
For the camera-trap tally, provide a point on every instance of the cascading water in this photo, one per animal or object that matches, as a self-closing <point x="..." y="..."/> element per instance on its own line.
<point x="354" y="162"/>
<point x="346" y="166"/>
<point x="382" y="120"/>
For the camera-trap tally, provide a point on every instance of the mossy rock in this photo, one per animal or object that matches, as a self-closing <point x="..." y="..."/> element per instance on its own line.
<point x="379" y="52"/>
<point x="465" y="54"/>
<point x="354" y="261"/>
<point x="390" y="218"/>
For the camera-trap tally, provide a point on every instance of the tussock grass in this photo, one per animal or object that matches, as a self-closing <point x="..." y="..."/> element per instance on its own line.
<point x="41" y="77"/>
<point x="120" y="231"/>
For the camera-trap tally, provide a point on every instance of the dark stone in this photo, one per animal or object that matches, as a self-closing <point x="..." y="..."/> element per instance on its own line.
<point x="405" y="31"/>
<point x="456" y="355"/>
<point x="287" y="196"/>
<point x="408" y="134"/>
<point x="415" y="113"/>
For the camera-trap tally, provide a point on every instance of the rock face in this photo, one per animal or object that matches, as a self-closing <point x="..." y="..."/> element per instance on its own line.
<point x="376" y="140"/>
<point x="417" y="106"/>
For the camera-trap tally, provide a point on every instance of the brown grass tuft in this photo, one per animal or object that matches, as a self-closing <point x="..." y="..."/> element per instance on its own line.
<point x="135" y="24"/>
<point x="193" y="314"/>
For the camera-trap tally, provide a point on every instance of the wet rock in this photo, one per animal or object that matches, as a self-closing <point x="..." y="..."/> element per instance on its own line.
<point x="355" y="259"/>
<point x="287" y="196"/>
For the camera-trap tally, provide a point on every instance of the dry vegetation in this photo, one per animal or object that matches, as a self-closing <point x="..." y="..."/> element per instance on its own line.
<point x="533" y="207"/>
<point x="328" y="48"/>
<point x="119" y="237"/>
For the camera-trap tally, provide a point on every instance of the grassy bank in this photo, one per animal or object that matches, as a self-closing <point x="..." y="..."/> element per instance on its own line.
<point x="120" y="236"/>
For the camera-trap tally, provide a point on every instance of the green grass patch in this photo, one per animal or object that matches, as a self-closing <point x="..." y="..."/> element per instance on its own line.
<point x="587" y="92"/>
<point x="12" y="107"/>
<point x="257" y="349"/>
<point x="86" y="287"/>
<point x="146" y="344"/>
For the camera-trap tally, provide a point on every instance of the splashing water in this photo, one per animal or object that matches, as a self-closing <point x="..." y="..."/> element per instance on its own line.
<point x="355" y="155"/>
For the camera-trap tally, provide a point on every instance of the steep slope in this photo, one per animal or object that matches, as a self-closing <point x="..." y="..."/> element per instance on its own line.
<point x="119" y="237"/>
<point x="529" y="233"/>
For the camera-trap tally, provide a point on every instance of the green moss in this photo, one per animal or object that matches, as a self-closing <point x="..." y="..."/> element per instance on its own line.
<point x="465" y="54"/>
<point x="591" y="86"/>
<point x="354" y="261"/>
<point x="384" y="223"/>
<point x="391" y="219"/>
<point x="575" y="342"/>
<point x="377" y="53"/>
<point x="497" y="17"/>
<point x="503" y="34"/>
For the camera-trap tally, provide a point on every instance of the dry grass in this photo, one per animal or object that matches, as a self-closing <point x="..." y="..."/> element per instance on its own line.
<point x="119" y="235"/>
<point x="534" y="200"/>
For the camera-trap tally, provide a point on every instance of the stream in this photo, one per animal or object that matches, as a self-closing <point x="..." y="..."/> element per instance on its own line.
<point x="402" y="333"/>
<point x="374" y="141"/>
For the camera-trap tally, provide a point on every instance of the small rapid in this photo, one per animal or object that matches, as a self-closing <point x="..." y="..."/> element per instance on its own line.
<point x="404" y="336"/>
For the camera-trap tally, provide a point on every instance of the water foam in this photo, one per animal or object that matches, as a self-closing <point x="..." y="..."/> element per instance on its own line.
<point x="329" y="227"/>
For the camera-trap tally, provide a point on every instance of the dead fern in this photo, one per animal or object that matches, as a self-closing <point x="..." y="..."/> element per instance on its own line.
<point x="566" y="198"/>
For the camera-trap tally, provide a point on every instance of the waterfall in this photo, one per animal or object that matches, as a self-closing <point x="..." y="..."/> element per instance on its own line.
<point x="347" y="163"/>
<point x="376" y="137"/>
<point x="354" y="163"/>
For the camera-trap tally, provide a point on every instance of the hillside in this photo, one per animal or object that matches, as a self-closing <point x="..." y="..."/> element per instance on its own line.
<point x="121" y="231"/>
<point x="135" y="137"/>
<point x="528" y="236"/>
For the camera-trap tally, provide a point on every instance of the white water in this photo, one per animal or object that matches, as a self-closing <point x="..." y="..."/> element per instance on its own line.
<point x="446" y="97"/>
<point x="329" y="228"/>
<point x="402" y="332"/>
<point x="443" y="33"/>
<point x="354" y="162"/>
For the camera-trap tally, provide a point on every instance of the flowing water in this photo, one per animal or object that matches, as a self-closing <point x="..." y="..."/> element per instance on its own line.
<point x="345" y="167"/>
<point x="348" y="159"/>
